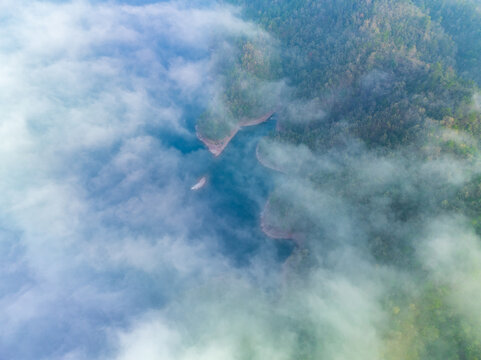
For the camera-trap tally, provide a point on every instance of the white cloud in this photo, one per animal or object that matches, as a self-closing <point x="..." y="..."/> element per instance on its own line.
<point x="92" y="198"/>
<point x="452" y="254"/>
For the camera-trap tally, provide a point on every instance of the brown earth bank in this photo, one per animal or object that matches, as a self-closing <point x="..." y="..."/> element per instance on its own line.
<point x="274" y="231"/>
<point x="253" y="122"/>
<point x="265" y="162"/>
<point x="216" y="147"/>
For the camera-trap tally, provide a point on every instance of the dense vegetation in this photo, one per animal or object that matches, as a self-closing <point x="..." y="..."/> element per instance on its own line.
<point x="248" y="87"/>
<point x="398" y="79"/>
<point x="375" y="60"/>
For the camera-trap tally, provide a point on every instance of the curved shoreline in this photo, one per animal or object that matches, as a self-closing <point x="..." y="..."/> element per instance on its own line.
<point x="257" y="121"/>
<point x="274" y="232"/>
<point x="265" y="164"/>
<point x="216" y="147"/>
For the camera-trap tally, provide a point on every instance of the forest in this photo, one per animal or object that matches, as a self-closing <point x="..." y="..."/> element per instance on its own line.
<point x="370" y="81"/>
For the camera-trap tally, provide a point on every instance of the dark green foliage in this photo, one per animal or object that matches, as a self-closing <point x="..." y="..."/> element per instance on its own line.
<point x="245" y="75"/>
<point x="462" y="21"/>
<point x="395" y="77"/>
<point x="427" y="327"/>
<point x="331" y="49"/>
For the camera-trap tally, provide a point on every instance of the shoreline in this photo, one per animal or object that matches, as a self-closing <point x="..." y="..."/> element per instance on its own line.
<point x="273" y="232"/>
<point x="216" y="147"/>
<point x="266" y="164"/>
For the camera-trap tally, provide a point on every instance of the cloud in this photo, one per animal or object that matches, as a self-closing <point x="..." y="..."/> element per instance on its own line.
<point x="477" y="102"/>
<point x="105" y="252"/>
<point x="98" y="218"/>
<point x="230" y="319"/>
<point x="452" y="254"/>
